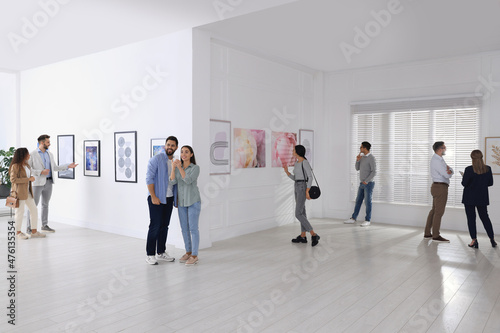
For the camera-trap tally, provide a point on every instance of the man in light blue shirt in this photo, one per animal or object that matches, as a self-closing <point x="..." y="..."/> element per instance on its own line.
<point x="440" y="174"/>
<point x="162" y="194"/>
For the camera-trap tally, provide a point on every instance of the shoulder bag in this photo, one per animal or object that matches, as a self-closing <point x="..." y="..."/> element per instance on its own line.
<point x="314" y="191"/>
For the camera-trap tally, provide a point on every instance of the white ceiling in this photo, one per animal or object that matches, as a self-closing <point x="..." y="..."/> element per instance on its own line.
<point x="307" y="32"/>
<point x="310" y="32"/>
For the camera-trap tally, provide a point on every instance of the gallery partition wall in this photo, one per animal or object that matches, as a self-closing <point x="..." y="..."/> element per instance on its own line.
<point x="402" y="133"/>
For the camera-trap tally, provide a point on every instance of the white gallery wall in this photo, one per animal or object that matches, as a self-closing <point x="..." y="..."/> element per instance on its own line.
<point x="144" y="87"/>
<point x="8" y="110"/>
<point x="255" y="92"/>
<point x="461" y="75"/>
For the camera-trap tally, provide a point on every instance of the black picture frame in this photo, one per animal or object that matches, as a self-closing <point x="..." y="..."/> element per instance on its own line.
<point x="126" y="157"/>
<point x="66" y="155"/>
<point x="92" y="148"/>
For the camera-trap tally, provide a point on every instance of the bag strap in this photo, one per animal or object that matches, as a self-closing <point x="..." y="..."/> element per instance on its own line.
<point x="307" y="178"/>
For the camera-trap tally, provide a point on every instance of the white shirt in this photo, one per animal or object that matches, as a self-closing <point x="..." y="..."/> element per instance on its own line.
<point x="170" y="188"/>
<point x="439" y="170"/>
<point x="28" y="171"/>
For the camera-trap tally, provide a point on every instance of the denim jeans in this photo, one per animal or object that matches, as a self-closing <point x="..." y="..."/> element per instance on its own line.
<point x="364" y="192"/>
<point x="189" y="218"/>
<point x="158" y="226"/>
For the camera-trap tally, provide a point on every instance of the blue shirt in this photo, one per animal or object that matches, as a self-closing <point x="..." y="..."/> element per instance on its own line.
<point x="158" y="175"/>
<point x="46" y="161"/>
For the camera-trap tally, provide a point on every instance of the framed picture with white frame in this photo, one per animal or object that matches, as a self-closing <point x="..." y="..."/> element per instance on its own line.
<point x="492" y="154"/>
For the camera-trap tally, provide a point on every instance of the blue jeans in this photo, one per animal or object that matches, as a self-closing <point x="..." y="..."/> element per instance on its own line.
<point x="189" y="218"/>
<point x="364" y="192"/>
<point x="158" y="226"/>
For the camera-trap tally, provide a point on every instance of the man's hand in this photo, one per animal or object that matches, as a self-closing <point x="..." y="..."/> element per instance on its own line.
<point x="365" y="183"/>
<point x="358" y="157"/>
<point x="72" y="166"/>
<point x="45" y="172"/>
<point x="155" y="200"/>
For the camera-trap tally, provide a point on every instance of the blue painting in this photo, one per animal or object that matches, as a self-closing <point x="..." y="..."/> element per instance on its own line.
<point x="91" y="158"/>
<point x="157" y="149"/>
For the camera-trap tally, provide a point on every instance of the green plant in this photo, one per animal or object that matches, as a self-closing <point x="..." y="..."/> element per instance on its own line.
<point x="6" y="158"/>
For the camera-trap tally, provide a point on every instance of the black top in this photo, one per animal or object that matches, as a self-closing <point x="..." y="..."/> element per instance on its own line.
<point x="476" y="187"/>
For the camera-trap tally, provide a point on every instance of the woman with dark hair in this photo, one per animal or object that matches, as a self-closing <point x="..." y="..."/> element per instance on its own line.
<point x="476" y="180"/>
<point x="302" y="175"/>
<point x="185" y="174"/>
<point x="21" y="178"/>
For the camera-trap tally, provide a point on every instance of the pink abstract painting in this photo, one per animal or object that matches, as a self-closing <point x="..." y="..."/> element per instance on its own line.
<point x="249" y="148"/>
<point x="282" y="144"/>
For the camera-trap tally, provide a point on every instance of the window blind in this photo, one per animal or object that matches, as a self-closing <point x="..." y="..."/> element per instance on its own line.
<point x="402" y="133"/>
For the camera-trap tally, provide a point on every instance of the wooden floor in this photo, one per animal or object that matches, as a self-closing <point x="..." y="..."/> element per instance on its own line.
<point x="379" y="279"/>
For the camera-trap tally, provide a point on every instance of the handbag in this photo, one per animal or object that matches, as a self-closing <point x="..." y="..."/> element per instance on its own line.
<point x="314" y="191"/>
<point x="12" y="201"/>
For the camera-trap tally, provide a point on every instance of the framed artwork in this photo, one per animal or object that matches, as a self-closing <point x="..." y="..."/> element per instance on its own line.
<point x="220" y="147"/>
<point x="249" y="148"/>
<point x="157" y="146"/>
<point x="126" y="157"/>
<point x="306" y="138"/>
<point x="282" y="144"/>
<point x="66" y="154"/>
<point x="492" y="154"/>
<point x="92" y="156"/>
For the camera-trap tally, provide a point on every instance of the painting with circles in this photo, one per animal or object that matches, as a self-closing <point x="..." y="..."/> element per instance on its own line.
<point x="126" y="157"/>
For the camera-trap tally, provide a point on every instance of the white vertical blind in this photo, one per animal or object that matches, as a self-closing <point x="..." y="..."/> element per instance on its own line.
<point x="402" y="134"/>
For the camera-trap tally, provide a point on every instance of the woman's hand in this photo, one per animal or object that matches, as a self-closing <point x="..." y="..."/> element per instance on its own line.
<point x="308" y="197"/>
<point x="31" y="179"/>
<point x="285" y="167"/>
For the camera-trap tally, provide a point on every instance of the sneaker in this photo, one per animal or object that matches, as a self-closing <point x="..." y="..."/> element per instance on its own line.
<point x="350" y="221"/>
<point x="299" y="239"/>
<point x="440" y="239"/>
<point x="28" y="231"/>
<point x="164" y="256"/>
<point x="46" y="228"/>
<point x="184" y="258"/>
<point x="21" y="236"/>
<point x="151" y="260"/>
<point x="191" y="261"/>
<point x="315" y="240"/>
<point x="37" y="235"/>
<point x="365" y="224"/>
<point x="427" y="236"/>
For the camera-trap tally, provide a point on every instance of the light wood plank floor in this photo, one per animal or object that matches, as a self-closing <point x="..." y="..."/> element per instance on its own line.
<point x="383" y="278"/>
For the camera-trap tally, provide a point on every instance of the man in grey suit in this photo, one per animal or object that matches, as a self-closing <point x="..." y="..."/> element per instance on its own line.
<point x="43" y="167"/>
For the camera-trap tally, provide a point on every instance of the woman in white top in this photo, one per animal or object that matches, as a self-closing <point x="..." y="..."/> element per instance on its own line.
<point x="21" y="178"/>
<point x="302" y="175"/>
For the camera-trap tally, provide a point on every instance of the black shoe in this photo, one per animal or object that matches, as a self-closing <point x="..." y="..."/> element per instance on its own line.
<point x="315" y="240"/>
<point x="47" y="229"/>
<point x="299" y="239"/>
<point x="474" y="244"/>
<point x="28" y="231"/>
<point x="493" y="243"/>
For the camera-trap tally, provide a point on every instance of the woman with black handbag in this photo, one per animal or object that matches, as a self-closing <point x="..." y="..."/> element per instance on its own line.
<point x="21" y="178"/>
<point x="302" y="175"/>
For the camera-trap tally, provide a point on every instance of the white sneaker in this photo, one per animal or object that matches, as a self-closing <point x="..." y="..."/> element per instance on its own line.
<point x="21" y="236"/>
<point x="151" y="260"/>
<point x="365" y="224"/>
<point x="164" y="256"/>
<point x="37" y="235"/>
<point x="350" y="221"/>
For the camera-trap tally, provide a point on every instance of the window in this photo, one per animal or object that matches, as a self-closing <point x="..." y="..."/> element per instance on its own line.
<point x="402" y="134"/>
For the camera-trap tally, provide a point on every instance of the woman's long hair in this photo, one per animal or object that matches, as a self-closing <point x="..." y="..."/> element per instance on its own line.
<point x="19" y="157"/>
<point x="477" y="162"/>
<point x="192" y="159"/>
<point x="301" y="151"/>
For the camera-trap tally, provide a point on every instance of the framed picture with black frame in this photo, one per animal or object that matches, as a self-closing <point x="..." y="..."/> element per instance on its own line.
<point x="66" y="155"/>
<point x="157" y="146"/>
<point x="126" y="157"/>
<point x="92" y="157"/>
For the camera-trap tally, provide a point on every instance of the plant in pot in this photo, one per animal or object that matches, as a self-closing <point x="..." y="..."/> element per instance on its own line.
<point x="5" y="160"/>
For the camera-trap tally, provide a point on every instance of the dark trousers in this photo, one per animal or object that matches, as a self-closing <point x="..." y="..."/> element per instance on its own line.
<point x="158" y="226"/>
<point x="470" y="211"/>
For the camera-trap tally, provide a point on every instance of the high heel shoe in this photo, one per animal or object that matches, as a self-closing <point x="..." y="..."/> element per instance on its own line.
<point x="474" y="244"/>
<point x="493" y="243"/>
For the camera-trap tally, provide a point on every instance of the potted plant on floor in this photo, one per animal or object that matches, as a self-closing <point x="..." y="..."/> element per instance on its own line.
<point x="5" y="160"/>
